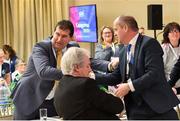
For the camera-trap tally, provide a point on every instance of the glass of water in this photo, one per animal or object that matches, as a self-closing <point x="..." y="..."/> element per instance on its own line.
<point x="43" y="114"/>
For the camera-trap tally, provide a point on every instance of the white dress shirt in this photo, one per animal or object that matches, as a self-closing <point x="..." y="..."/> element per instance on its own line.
<point x="170" y="57"/>
<point x="51" y="94"/>
<point x="133" y="44"/>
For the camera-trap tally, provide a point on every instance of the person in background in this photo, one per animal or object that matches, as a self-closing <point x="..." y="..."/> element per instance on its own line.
<point x="4" y="68"/>
<point x="20" y="68"/>
<point x="77" y="96"/>
<point x="106" y="48"/>
<point x="171" y="48"/>
<point x="147" y="95"/>
<point x="10" y="57"/>
<point x="73" y="44"/>
<point x="142" y="30"/>
<point x="35" y="89"/>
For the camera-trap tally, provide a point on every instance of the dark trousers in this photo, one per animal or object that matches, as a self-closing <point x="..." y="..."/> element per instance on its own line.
<point x="138" y="109"/>
<point x="169" y="115"/>
<point x="49" y="104"/>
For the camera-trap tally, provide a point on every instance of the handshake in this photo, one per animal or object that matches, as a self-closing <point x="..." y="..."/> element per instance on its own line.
<point x="113" y="64"/>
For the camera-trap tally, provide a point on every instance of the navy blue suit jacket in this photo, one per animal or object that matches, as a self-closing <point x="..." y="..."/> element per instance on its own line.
<point x="148" y="76"/>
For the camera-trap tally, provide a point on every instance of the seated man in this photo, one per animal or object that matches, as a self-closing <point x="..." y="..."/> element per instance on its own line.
<point x="77" y="96"/>
<point x="20" y="67"/>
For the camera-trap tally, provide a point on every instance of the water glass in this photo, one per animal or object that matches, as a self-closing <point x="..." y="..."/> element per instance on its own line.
<point x="43" y="114"/>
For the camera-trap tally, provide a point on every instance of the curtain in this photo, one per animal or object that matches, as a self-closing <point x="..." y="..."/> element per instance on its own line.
<point x="25" y="22"/>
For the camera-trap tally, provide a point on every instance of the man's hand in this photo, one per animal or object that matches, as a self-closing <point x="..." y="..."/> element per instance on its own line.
<point x="113" y="64"/>
<point x="174" y="90"/>
<point x="122" y="90"/>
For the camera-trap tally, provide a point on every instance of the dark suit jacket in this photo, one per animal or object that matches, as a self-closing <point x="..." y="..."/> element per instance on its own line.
<point x="147" y="76"/>
<point x="13" y="63"/>
<point x="175" y="73"/>
<point x="99" y="65"/>
<point x="38" y="79"/>
<point x="80" y="98"/>
<point x="103" y="53"/>
<point x="4" y="69"/>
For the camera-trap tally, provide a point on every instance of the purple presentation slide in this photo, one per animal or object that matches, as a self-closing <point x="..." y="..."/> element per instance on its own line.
<point x="84" y="19"/>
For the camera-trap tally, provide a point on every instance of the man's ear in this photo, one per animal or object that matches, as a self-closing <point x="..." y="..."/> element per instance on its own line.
<point x="125" y="27"/>
<point x="76" y="68"/>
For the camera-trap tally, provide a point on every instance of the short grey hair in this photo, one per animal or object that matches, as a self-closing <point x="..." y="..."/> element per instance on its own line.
<point x="129" y="21"/>
<point x="73" y="56"/>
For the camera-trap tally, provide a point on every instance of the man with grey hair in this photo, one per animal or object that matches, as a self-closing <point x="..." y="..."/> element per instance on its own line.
<point x="146" y="92"/>
<point x="77" y="96"/>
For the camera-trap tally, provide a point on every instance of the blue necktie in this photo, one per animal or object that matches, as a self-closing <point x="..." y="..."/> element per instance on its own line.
<point x="130" y="57"/>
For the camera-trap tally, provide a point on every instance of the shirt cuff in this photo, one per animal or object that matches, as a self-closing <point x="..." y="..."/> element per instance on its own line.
<point x="131" y="85"/>
<point x="110" y="67"/>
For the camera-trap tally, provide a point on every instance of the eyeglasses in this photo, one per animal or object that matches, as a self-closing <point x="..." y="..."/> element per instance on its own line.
<point x="174" y="31"/>
<point x="107" y="32"/>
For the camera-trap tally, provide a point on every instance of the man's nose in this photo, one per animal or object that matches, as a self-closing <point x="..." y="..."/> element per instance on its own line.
<point x="59" y="38"/>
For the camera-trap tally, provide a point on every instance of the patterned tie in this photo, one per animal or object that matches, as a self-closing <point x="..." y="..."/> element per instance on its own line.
<point x="56" y="82"/>
<point x="58" y="58"/>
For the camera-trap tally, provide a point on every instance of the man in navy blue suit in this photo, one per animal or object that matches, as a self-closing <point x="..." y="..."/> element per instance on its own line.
<point x="146" y="93"/>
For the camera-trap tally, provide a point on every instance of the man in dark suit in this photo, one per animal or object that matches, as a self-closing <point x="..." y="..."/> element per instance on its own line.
<point x="77" y="96"/>
<point x="146" y="92"/>
<point x="35" y="88"/>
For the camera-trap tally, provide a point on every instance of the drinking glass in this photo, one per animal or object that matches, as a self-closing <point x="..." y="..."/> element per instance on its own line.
<point x="43" y="114"/>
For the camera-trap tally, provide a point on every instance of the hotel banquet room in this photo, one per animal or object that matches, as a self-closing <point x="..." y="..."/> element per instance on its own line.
<point x="139" y="95"/>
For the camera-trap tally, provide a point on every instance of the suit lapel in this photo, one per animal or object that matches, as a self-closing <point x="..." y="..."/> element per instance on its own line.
<point x="136" y="52"/>
<point x="123" y="63"/>
<point x="51" y="54"/>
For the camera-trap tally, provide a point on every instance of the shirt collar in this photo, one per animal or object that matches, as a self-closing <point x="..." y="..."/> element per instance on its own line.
<point x="134" y="39"/>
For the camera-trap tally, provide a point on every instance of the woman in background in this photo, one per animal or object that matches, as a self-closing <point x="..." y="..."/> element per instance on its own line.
<point x="10" y="57"/>
<point x="171" y="48"/>
<point x="106" y="48"/>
